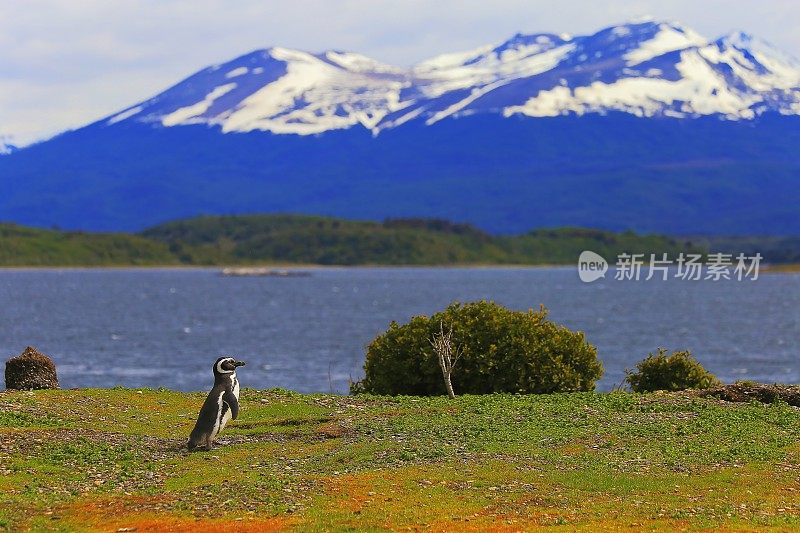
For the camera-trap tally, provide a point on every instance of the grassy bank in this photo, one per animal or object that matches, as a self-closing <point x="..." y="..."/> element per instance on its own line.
<point x="299" y="239"/>
<point x="86" y="460"/>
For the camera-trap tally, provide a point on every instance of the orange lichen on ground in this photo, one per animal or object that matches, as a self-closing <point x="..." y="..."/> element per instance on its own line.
<point x="353" y="491"/>
<point x="175" y="524"/>
<point x="441" y="500"/>
<point x="136" y="513"/>
<point x="500" y="525"/>
<point x="413" y="498"/>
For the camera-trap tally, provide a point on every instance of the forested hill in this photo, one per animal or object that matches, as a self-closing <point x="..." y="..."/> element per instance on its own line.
<point x="300" y="239"/>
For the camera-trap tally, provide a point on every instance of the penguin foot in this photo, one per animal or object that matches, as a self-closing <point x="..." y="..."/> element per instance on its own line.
<point x="198" y="447"/>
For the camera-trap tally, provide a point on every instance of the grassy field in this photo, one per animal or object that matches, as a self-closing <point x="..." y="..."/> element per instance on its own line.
<point x="111" y="460"/>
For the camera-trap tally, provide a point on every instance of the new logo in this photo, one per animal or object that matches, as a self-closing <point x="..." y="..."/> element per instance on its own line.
<point x="591" y="266"/>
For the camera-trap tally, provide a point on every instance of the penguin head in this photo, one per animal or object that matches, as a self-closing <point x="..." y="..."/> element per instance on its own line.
<point x="226" y="365"/>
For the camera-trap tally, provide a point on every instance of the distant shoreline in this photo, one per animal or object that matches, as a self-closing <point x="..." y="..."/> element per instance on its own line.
<point x="780" y="268"/>
<point x="284" y="267"/>
<point x="282" y="241"/>
<point x="300" y="241"/>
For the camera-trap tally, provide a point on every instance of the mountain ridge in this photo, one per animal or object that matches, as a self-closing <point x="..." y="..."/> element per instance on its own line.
<point x="646" y="69"/>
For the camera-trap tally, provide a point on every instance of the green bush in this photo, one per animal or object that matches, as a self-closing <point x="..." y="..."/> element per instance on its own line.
<point x="678" y="371"/>
<point x="501" y="351"/>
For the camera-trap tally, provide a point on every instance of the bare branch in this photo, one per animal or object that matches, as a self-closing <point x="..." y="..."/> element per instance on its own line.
<point x="448" y="355"/>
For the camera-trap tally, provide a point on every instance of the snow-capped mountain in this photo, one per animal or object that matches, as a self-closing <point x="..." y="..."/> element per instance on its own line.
<point x="279" y="90"/>
<point x="651" y="69"/>
<point x="646" y="126"/>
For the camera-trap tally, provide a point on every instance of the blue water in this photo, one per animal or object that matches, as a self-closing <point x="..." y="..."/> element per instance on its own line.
<point x="164" y="328"/>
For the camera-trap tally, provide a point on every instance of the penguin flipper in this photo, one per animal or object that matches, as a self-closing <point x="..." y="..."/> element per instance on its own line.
<point x="232" y="402"/>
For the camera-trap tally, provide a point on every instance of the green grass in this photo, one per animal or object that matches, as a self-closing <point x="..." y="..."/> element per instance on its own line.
<point x="101" y="459"/>
<point x="299" y="239"/>
<point x="22" y="420"/>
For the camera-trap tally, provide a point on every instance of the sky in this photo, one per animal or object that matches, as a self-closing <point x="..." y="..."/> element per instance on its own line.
<point x="65" y="63"/>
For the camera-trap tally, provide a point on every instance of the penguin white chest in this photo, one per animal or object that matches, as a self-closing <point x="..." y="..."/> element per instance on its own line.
<point x="235" y="386"/>
<point x="225" y="418"/>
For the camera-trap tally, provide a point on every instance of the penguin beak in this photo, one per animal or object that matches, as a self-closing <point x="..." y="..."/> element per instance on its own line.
<point x="239" y="363"/>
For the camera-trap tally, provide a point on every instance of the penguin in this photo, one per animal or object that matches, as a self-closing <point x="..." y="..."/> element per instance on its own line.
<point x="221" y="405"/>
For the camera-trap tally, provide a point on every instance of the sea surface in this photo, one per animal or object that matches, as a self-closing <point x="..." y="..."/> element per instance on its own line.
<point x="165" y="327"/>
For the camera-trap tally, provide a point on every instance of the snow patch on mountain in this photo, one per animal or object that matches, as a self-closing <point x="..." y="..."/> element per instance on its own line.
<point x="461" y="104"/>
<point x="670" y="37"/>
<point x="452" y="60"/>
<point x="360" y="63"/>
<point x="318" y="93"/>
<point x="699" y="91"/>
<point x="128" y="113"/>
<point x="737" y="77"/>
<point x="782" y="70"/>
<point x="239" y="71"/>
<point x="191" y="113"/>
<point x="494" y="68"/>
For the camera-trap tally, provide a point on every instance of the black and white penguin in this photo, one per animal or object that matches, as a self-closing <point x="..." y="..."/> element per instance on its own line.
<point x="221" y="405"/>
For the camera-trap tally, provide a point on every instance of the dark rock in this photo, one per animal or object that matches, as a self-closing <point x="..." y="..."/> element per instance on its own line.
<point x="31" y="370"/>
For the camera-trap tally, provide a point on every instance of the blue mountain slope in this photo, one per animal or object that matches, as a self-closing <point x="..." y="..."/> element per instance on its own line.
<point x="505" y="175"/>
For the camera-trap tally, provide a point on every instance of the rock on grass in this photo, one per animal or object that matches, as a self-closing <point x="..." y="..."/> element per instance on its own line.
<point x="31" y="370"/>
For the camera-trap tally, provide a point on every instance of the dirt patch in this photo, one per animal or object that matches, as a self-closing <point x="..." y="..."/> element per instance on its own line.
<point x="289" y="436"/>
<point x="229" y="439"/>
<point x="283" y="422"/>
<point x="741" y="392"/>
<point x="301" y="421"/>
<point x="333" y="430"/>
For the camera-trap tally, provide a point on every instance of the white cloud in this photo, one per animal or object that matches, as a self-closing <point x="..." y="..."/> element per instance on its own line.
<point x="64" y="63"/>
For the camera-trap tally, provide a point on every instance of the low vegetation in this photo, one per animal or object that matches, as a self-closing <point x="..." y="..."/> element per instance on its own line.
<point x="674" y="372"/>
<point x="111" y="460"/>
<point x="22" y="246"/>
<point x="499" y="350"/>
<point x="777" y="249"/>
<point x="299" y="239"/>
